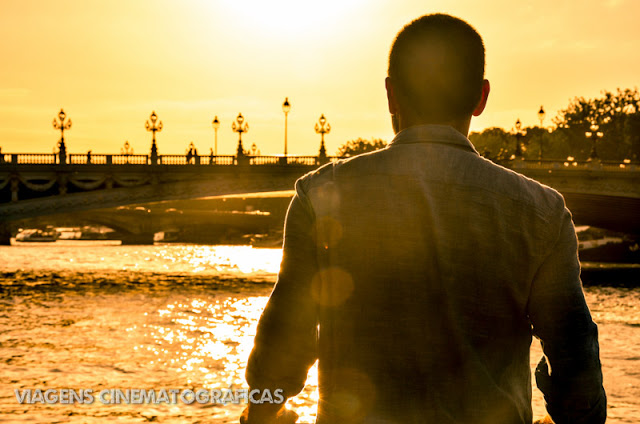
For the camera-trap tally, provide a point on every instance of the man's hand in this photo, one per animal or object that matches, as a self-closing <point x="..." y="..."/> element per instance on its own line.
<point x="267" y="414"/>
<point x="545" y="420"/>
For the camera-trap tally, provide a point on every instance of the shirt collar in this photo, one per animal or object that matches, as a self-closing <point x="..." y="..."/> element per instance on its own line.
<point x="440" y="134"/>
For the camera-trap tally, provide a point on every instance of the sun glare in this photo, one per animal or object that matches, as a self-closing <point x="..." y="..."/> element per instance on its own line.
<point x="292" y="17"/>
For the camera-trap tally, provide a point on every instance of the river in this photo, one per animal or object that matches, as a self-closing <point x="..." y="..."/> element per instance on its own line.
<point x="89" y="315"/>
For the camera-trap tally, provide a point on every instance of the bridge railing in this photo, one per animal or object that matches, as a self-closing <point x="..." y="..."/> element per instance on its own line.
<point x="227" y="160"/>
<point x="104" y="159"/>
<point x="264" y="160"/>
<point x="78" y="159"/>
<point x="196" y="160"/>
<point x="285" y="160"/>
<point x="302" y="160"/>
<point x="29" y="158"/>
<point x="217" y="160"/>
<point x="173" y="160"/>
<point x="129" y="159"/>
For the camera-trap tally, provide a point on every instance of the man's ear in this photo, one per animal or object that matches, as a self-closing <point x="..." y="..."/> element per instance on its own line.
<point x="391" y="96"/>
<point x="486" y="87"/>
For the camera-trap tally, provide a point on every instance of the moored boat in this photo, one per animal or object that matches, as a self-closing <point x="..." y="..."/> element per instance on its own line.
<point x="37" y="235"/>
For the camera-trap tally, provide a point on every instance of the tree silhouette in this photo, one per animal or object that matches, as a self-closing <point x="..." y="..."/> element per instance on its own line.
<point x="610" y="112"/>
<point x="493" y="143"/>
<point x="359" y="146"/>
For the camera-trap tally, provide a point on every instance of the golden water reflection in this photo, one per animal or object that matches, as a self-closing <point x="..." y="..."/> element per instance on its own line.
<point x="175" y="259"/>
<point x="189" y="315"/>
<point x="207" y="342"/>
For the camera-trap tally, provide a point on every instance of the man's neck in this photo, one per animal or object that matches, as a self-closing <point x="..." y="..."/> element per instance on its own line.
<point x="461" y="125"/>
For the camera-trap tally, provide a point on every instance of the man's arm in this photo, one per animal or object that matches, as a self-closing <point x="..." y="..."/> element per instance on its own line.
<point x="570" y="375"/>
<point x="286" y="339"/>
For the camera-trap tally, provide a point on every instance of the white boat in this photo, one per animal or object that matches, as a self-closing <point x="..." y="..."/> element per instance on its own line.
<point x="68" y="233"/>
<point x="89" y="232"/>
<point x="167" y="236"/>
<point x="37" y="235"/>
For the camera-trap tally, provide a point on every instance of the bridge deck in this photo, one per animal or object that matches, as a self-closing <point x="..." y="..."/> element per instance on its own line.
<point x="598" y="193"/>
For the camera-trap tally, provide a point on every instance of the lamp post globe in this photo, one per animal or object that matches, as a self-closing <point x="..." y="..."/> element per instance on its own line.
<point x="519" y="133"/>
<point x="153" y="127"/>
<point x="594" y="135"/>
<point x="286" y="107"/>
<point x="541" y="115"/>
<point x="240" y="126"/>
<point x="216" y="125"/>
<point x="62" y="125"/>
<point x="322" y="127"/>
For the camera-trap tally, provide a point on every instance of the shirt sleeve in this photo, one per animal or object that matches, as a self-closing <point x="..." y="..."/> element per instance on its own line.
<point x="285" y="345"/>
<point x="569" y="375"/>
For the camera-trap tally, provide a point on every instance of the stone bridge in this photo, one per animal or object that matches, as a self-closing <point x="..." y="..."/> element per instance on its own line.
<point x="33" y="185"/>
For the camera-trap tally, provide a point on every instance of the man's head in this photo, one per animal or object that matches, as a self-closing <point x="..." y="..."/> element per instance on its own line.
<point x="436" y="73"/>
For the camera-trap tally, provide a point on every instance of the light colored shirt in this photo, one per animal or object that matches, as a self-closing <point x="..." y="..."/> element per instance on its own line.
<point x="417" y="275"/>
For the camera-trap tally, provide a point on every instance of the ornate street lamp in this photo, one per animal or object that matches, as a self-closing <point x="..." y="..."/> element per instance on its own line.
<point x="153" y="127"/>
<point x="519" y="133"/>
<point x="254" y="151"/>
<point x="541" y="115"/>
<point x="322" y="127"/>
<point x="215" y="124"/>
<point x="594" y="135"/>
<point x="286" y="107"/>
<point x="240" y="126"/>
<point x="62" y="125"/>
<point x="126" y="150"/>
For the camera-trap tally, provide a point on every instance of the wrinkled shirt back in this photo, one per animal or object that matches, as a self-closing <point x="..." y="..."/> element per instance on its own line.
<point x="428" y="264"/>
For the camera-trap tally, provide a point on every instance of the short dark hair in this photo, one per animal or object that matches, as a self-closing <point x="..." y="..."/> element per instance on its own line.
<point x="436" y="66"/>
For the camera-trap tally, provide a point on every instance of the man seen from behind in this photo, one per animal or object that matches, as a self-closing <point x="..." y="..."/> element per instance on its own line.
<point x="417" y="275"/>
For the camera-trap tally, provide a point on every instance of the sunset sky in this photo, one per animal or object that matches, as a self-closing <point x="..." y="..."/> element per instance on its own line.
<point x="110" y="63"/>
